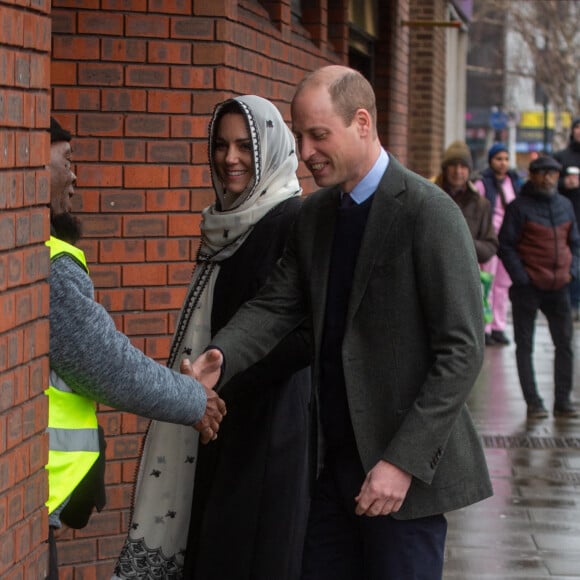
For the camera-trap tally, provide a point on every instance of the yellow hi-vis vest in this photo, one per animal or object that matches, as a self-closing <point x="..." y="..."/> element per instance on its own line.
<point x="72" y="421"/>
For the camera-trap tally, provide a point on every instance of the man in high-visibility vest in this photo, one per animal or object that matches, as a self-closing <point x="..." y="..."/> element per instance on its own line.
<point x="91" y="361"/>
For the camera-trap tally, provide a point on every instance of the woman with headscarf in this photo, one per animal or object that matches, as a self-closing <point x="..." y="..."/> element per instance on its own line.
<point x="236" y="508"/>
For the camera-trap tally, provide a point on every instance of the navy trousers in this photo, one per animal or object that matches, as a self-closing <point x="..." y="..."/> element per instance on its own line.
<point x="555" y="305"/>
<point x="343" y="546"/>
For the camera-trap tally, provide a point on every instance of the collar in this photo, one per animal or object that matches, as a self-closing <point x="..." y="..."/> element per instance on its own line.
<point x="370" y="182"/>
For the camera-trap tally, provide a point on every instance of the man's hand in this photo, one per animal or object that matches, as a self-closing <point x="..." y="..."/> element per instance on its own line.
<point x="206" y="369"/>
<point x="383" y="490"/>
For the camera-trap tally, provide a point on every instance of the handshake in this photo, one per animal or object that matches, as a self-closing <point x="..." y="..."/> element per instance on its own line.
<point x="206" y="369"/>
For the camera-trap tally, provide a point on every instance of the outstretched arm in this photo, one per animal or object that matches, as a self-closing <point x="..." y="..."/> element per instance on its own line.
<point x="207" y="370"/>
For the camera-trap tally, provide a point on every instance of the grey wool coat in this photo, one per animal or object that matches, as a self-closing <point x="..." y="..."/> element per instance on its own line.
<point x="413" y="343"/>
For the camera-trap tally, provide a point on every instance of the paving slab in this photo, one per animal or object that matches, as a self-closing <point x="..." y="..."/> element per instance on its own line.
<point x="530" y="528"/>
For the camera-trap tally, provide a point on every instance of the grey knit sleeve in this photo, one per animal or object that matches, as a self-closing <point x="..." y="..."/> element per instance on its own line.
<point x="98" y="361"/>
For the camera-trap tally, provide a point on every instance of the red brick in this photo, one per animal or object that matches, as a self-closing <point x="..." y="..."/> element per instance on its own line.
<point x="108" y="276"/>
<point x="118" y="300"/>
<point x="123" y="251"/>
<point x="139" y="176"/>
<point x="169" y="152"/>
<point x="163" y="298"/>
<point x="169" y="52"/>
<point x="124" y="201"/>
<point x="99" y="175"/>
<point x="144" y="275"/>
<point x="192" y="77"/>
<point x="124" y="50"/>
<point x="147" y="76"/>
<point x="124" y="5"/>
<point x="145" y="324"/>
<point x="99" y="74"/>
<point x="191" y="127"/>
<point x="143" y="226"/>
<point x="184" y="225"/>
<point x="189" y="176"/>
<point x="75" y="48"/>
<point x="37" y="31"/>
<point x="6" y="66"/>
<point x="100" y="23"/>
<point x="102" y="226"/>
<point x="124" y="100"/>
<point x="192" y="28"/>
<point x="172" y="200"/>
<point x="158" y="347"/>
<point x="147" y="25"/>
<point x="100" y="124"/>
<point x="169" y="102"/>
<point x="171" y="6"/>
<point x="147" y="126"/>
<point x="63" y="73"/>
<point x="167" y="250"/>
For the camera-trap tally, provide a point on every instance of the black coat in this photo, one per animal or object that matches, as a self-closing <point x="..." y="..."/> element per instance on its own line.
<point x="250" y="499"/>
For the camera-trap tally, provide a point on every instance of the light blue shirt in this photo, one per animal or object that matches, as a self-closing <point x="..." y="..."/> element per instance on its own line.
<point x="369" y="183"/>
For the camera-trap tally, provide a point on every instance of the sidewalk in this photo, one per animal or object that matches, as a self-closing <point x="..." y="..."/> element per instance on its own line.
<point x="530" y="528"/>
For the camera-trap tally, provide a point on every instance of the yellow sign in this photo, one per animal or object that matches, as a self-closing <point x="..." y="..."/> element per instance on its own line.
<point x="535" y="119"/>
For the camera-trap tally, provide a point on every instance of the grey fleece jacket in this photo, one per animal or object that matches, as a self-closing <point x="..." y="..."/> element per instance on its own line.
<point x="99" y="362"/>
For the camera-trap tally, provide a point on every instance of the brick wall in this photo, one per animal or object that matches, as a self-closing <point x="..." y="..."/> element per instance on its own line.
<point x="392" y="79"/>
<point x="24" y="226"/>
<point x="427" y="77"/>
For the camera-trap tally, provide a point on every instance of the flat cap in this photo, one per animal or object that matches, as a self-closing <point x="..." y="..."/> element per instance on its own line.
<point x="544" y="162"/>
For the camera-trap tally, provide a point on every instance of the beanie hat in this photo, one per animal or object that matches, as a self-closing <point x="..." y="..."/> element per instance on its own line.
<point x="575" y="122"/>
<point x="495" y="149"/>
<point x="57" y="133"/>
<point x="458" y="151"/>
<point x="544" y="162"/>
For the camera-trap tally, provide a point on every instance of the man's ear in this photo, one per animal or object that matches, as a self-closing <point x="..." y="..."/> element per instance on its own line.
<point x="363" y="121"/>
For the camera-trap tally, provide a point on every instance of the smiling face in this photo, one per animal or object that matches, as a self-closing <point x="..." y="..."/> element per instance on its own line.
<point x="334" y="152"/>
<point x="232" y="156"/>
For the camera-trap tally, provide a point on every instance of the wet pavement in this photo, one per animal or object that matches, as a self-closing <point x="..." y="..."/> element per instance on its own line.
<point x="530" y="528"/>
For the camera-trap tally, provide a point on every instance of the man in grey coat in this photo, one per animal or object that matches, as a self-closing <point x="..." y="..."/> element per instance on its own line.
<point x="381" y="266"/>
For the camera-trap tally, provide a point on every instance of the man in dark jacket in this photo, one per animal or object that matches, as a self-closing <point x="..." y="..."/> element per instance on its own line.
<point x="539" y="247"/>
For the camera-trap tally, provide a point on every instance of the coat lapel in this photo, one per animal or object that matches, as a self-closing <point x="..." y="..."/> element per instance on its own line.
<point x="383" y="214"/>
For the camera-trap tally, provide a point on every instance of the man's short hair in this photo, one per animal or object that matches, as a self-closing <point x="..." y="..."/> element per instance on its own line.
<point x="57" y="133"/>
<point x="349" y="91"/>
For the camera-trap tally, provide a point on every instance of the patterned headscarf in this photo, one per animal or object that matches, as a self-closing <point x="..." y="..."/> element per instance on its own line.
<point x="275" y="163"/>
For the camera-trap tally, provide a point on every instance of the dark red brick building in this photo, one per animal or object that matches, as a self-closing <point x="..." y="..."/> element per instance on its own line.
<point x="135" y="81"/>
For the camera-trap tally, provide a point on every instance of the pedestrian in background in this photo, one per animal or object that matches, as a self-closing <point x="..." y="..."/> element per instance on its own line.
<point x="540" y="248"/>
<point x="569" y="186"/>
<point x="456" y="167"/>
<point x="570" y="155"/>
<point x="500" y="185"/>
